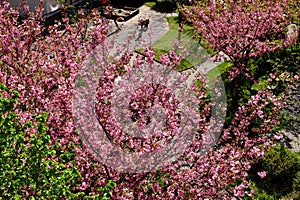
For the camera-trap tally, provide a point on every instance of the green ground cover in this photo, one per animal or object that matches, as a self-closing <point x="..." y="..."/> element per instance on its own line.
<point x="150" y="4"/>
<point x="196" y="53"/>
<point x="283" y="165"/>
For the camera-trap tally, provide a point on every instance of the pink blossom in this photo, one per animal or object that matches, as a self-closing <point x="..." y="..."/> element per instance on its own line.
<point x="262" y="174"/>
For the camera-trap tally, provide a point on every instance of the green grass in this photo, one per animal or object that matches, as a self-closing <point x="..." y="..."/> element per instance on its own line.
<point x="150" y="4"/>
<point x="196" y="54"/>
<point x="217" y="71"/>
<point x="173" y="23"/>
<point x="188" y="31"/>
<point x="261" y="85"/>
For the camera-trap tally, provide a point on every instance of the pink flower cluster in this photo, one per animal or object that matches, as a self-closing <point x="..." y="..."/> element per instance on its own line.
<point x="242" y="29"/>
<point x="43" y="67"/>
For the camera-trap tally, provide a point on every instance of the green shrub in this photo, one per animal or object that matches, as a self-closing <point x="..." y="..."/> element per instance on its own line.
<point x="283" y="173"/>
<point x="24" y="165"/>
<point x="30" y="167"/>
<point x="165" y="6"/>
<point x="296" y="182"/>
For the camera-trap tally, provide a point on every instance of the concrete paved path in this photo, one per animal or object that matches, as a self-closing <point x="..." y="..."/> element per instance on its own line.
<point x="158" y="27"/>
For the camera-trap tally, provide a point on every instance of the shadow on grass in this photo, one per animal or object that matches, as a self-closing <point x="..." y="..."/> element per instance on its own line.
<point x="184" y="64"/>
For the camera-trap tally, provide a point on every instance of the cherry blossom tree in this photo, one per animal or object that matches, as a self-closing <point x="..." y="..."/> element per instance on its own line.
<point x="43" y="68"/>
<point x="242" y="29"/>
<point x="220" y="173"/>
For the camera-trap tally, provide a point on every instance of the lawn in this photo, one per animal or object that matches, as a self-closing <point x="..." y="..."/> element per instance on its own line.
<point x="216" y="71"/>
<point x="196" y="54"/>
<point x="150" y="4"/>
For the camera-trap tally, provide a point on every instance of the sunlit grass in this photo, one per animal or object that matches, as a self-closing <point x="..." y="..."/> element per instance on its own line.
<point x="196" y="54"/>
<point x="150" y="4"/>
<point x="218" y="70"/>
